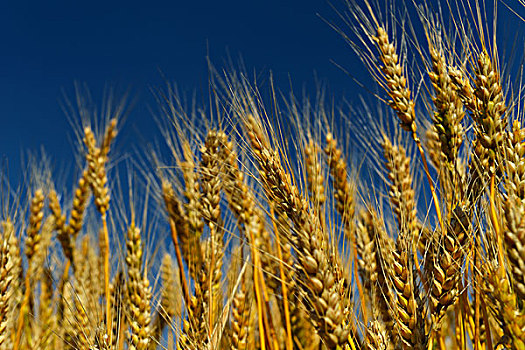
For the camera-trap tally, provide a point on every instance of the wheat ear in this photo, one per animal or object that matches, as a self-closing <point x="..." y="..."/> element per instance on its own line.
<point x="402" y="194"/>
<point x="195" y="325"/>
<point x="97" y="157"/>
<point x="449" y="110"/>
<point x="243" y="205"/>
<point x="6" y="293"/>
<point x="211" y="185"/>
<point x="240" y="318"/>
<point x="36" y="216"/>
<point x="170" y="301"/>
<point x="411" y="324"/>
<point x="383" y="246"/>
<point x="507" y="310"/>
<point x="17" y="278"/>
<point x="139" y="293"/>
<point x="60" y="224"/>
<point x="344" y="195"/>
<point x="376" y="337"/>
<point x="514" y="234"/>
<point x="178" y="227"/>
<point x="314" y="173"/>
<point x="192" y="212"/>
<point x="320" y="279"/>
<point x="447" y="265"/>
<point x="401" y="101"/>
<point x="117" y="305"/>
<point x="47" y="317"/>
<point x="515" y="243"/>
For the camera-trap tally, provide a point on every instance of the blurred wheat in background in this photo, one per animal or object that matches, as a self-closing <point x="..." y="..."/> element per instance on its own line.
<point x="258" y="231"/>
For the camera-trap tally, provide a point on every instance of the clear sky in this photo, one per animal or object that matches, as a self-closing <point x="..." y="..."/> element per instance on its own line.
<point x="45" y="46"/>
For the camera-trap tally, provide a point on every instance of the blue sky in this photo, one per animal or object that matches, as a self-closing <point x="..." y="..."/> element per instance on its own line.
<point x="47" y="46"/>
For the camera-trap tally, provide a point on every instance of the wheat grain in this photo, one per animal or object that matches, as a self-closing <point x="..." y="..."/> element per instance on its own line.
<point x="139" y="293"/>
<point x="6" y="293"/>
<point x="320" y="280"/>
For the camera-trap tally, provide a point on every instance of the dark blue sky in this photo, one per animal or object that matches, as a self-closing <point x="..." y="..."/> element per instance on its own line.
<point x="45" y="46"/>
<point x="48" y="45"/>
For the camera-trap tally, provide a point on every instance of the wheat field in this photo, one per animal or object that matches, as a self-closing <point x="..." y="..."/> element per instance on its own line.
<point x="265" y="221"/>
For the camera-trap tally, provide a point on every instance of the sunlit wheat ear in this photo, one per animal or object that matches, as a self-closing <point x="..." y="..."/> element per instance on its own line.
<point x="35" y="223"/>
<point x="319" y="279"/>
<point x="96" y="177"/>
<point x="505" y="306"/>
<point x="409" y="308"/>
<point x="366" y="253"/>
<point x="195" y="327"/>
<point x="515" y="243"/>
<point x="96" y="174"/>
<point x="240" y="198"/>
<point x="210" y="168"/>
<point x="410" y="321"/>
<point x="187" y="238"/>
<point x="515" y="161"/>
<point x="242" y="203"/>
<point x="450" y="94"/>
<point x="74" y="226"/>
<point x="171" y="301"/>
<point x="452" y="176"/>
<point x="514" y="207"/>
<point x="189" y="217"/>
<point x="250" y="219"/>
<point x="345" y="203"/>
<point x="240" y="318"/>
<point x="6" y="292"/>
<point x="236" y="177"/>
<point x="60" y="224"/>
<point x="302" y="329"/>
<point x="447" y="263"/>
<point x="489" y="115"/>
<point x="383" y="245"/>
<point x="139" y="293"/>
<point x="90" y="285"/>
<point x="402" y="194"/>
<point x="211" y="186"/>
<point x="461" y="84"/>
<point x="344" y="190"/>
<point x="192" y="208"/>
<point x="314" y="172"/>
<point x="46" y="237"/>
<point x="449" y="110"/>
<point x="47" y="317"/>
<point x="17" y="278"/>
<point x="266" y="251"/>
<point x="118" y="300"/>
<point x="396" y="82"/>
<point x="85" y="291"/>
<point x="192" y="189"/>
<point x="433" y="147"/>
<point x="68" y="320"/>
<point x="32" y="244"/>
<point x="97" y="159"/>
<point x="84" y="335"/>
<point x="376" y="337"/>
